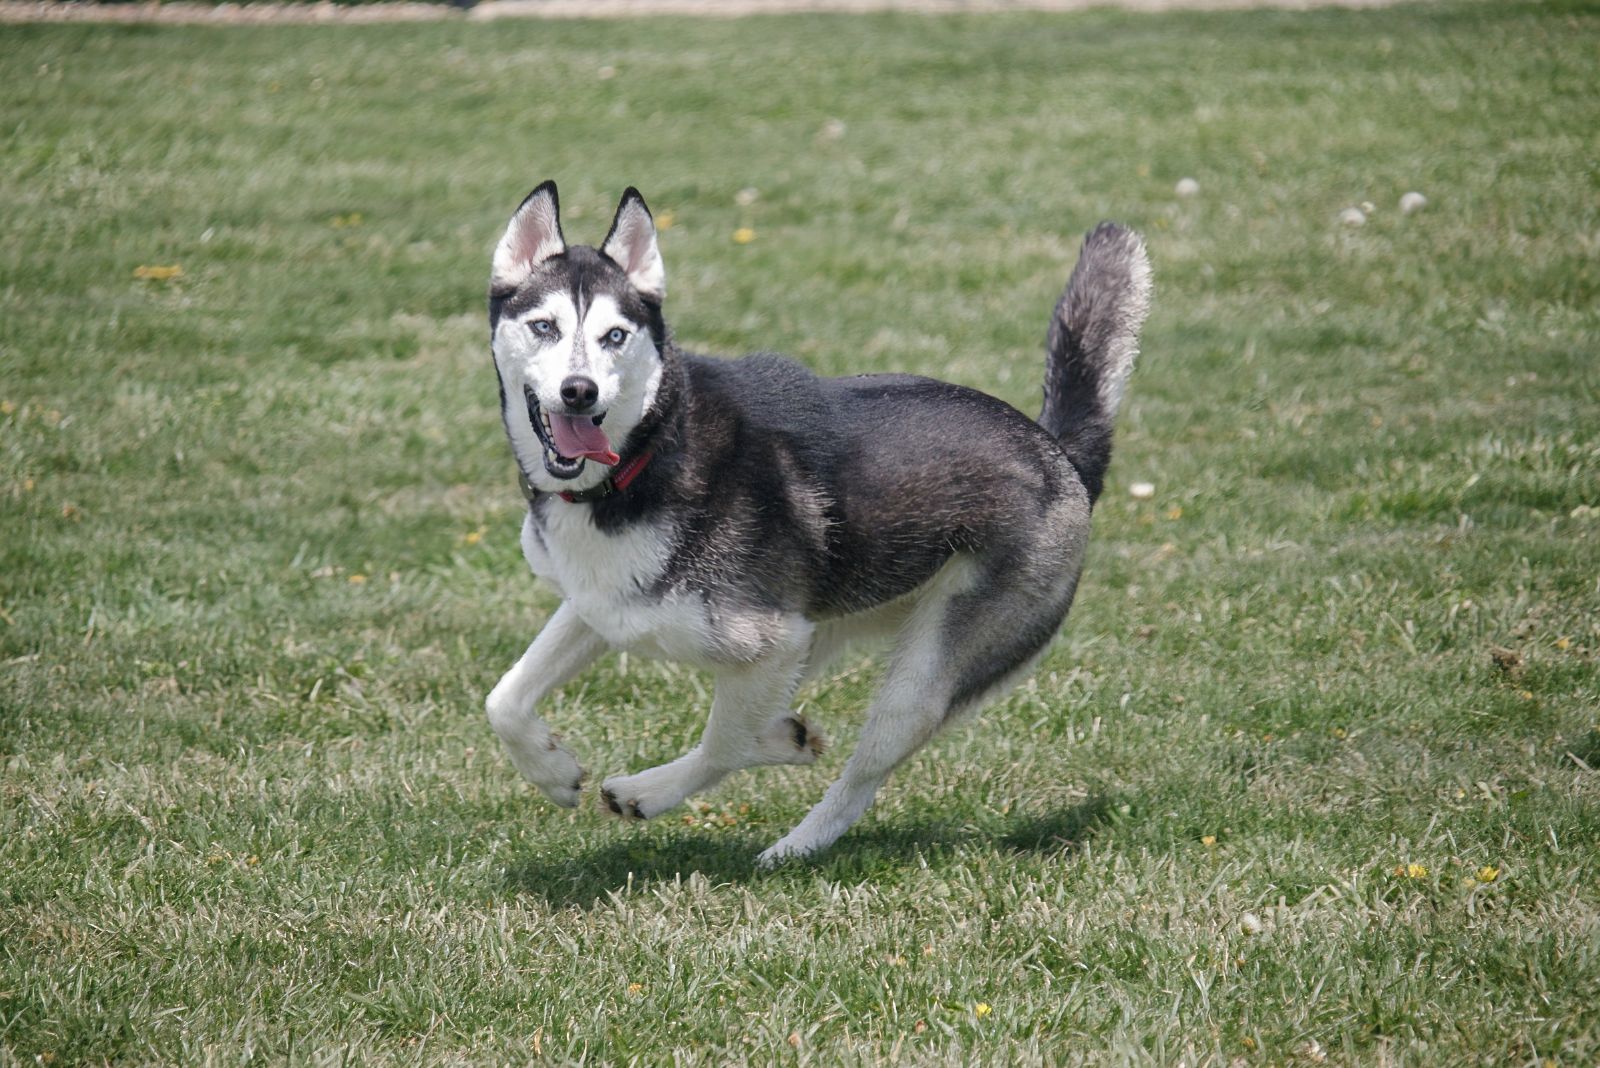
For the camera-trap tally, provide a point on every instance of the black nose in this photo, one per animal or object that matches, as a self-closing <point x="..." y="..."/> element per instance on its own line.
<point x="579" y="393"/>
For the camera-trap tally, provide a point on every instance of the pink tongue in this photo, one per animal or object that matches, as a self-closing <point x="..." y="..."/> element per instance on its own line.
<point x="576" y="435"/>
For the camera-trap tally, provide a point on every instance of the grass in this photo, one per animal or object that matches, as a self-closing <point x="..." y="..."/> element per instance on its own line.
<point x="1311" y="772"/>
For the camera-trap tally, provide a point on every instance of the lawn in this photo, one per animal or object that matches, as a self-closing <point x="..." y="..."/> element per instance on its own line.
<point x="1312" y="773"/>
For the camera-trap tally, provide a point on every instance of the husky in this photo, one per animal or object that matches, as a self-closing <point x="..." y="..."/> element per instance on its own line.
<point x="752" y="518"/>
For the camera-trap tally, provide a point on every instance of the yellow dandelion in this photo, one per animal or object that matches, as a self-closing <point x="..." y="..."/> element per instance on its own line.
<point x="1411" y="871"/>
<point x="158" y="274"/>
<point x="27" y="485"/>
<point x="1208" y="839"/>
<point x="665" y="220"/>
<point x="253" y="861"/>
<point x="473" y="537"/>
<point x="357" y="579"/>
<point x="1563" y="643"/>
<point x="635" y="988"/>
<point x="1175" y="512"/>
<point x="794" y="1039"/>
<point x="7" y="407"/>
<point x="1488" y="873"/>
<point x="981" y="1009"/>
<point x="744" y="235"/>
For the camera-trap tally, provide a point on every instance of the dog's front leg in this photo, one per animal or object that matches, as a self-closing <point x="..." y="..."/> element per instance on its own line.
<point x="563" y="648"/>
<point x="750" y="725"/>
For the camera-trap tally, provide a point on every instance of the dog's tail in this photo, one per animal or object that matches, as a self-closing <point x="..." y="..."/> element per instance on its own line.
<point x="1091" y="346"/>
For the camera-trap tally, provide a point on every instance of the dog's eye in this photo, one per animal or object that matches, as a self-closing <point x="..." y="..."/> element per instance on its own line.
<point x="543" y="327"/>
<point x="616" y="335"/>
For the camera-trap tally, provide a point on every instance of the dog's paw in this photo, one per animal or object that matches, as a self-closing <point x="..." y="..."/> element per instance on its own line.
<point x="628" y="809"/>
<point x="554" y="770"/>
<point x="789" y="739"/>
<point x="781" y="853"/>
<point x="566" y="794"/>
<point x="649" y="793"/>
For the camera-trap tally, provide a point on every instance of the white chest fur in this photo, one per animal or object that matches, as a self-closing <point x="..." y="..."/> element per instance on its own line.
<point x="613" y="581"/>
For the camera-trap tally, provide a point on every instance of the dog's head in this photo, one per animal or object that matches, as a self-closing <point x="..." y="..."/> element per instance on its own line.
<point x="578" y="338"/>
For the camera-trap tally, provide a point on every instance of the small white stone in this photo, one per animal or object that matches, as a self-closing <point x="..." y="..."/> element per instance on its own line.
<point x="746" y="196"/>
<point x="1142" y="491"/>
<point x="1368" y="206"/>
<point x="1187" y="187"/>
<point x="1412" y="201"/>
<point x="606" y="73"/>
<point x="1352" y="217"/>
<point x="1251" y="924"/>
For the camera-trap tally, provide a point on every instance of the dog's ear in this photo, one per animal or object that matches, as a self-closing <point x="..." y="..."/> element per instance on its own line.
<point x="631" y="244"/>
<point x="533" y="236"/>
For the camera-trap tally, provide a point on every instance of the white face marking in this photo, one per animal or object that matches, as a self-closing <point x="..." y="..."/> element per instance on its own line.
<point x="541" y="358"/>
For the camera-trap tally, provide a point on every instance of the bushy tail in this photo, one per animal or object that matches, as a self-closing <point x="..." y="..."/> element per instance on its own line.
<point x="1091" y="346"/>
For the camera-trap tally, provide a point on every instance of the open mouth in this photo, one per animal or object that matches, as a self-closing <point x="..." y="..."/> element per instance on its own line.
<point x="568" y="440"/>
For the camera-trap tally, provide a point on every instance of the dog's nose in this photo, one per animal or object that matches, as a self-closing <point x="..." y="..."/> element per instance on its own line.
<point x="579" y="393"/>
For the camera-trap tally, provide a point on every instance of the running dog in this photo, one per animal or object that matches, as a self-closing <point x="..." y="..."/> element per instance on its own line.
<point x="750" y="517"/>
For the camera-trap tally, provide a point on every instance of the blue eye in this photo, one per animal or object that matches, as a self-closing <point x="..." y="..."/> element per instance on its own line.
<point x="542" y="326"/>
<point x="616" y="335"/>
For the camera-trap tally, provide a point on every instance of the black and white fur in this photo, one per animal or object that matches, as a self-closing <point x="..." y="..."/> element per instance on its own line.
<point x="783" y="517"/>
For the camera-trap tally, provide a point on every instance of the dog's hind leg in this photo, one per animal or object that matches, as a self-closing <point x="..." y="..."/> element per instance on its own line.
<point x="973" y="632"/>
<point x="788" y="738"/>
<point x="563" y="648"/>
<point x="750" y="725"/>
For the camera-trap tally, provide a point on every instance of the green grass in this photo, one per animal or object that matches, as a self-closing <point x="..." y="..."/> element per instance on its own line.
<point x="250" y="809"/>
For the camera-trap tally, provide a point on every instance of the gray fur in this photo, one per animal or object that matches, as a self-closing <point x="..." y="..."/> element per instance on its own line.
<point x="779" y="508"/>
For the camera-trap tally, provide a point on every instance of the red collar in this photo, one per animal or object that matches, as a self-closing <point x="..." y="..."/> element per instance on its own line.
<point x="621" y="477"/>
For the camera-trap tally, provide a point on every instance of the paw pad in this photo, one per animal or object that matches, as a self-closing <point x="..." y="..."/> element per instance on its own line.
<point x="627" y="809"/>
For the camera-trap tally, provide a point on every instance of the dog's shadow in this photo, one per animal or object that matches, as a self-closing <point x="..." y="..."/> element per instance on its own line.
<point x="587" y="879"/>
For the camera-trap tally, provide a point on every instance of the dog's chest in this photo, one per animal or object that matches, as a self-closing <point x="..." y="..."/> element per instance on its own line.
<point x="614" y="582"/>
